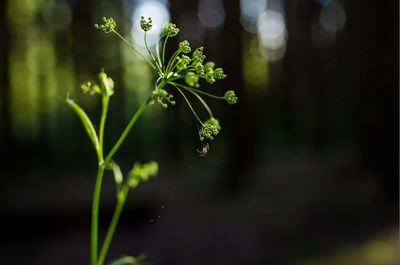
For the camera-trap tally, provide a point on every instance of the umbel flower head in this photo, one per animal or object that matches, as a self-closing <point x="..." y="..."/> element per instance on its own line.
<point x="170" y="30"/>
<point x="146" y="25"/>
<point x="108" y="26"/>
<point x="182" y="72"/>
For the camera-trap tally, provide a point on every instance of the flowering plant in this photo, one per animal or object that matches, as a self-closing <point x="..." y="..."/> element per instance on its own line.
<point x="182" y="72"/>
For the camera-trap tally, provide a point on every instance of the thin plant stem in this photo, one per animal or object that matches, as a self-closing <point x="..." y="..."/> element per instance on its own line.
<point x="190" y="106"/>
<point x="196" y="90"/>
<point x="114" y="221"/>
<point x="120" y="204"/>
<point x="202" y="102"/>
<point x="158" y="52"/>
<point x="133" y="47"/>
<point x="126" y="131"/>
<point x="151" y="55"/>
<point x="128" y="128"/>
<point x="95" y="214"/>
<point x="163" y="52"/>
<point x="172" y="60"/>
<point x="105" y="101"/>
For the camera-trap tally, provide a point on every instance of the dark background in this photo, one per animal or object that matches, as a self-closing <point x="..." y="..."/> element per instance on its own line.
<point x="304" y="171"/>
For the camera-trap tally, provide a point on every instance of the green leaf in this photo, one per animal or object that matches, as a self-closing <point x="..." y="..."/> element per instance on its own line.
<point x="87" y="124"/>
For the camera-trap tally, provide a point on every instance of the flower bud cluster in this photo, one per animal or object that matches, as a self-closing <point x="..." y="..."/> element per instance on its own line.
<point x="230" y="97"/>
<point x="184" y="46"/>
<point x="108" y="26"/>
<point x="106" y="86"/>
<point x="213" y="122"/>
<point x="161" y="96"/>
<point x="170" y="30"/>
<point x="182" y="62"/>
<point x="146" y="25"/>
<point x="142" y="173"/>
<point x="192" y="79"/>
<point x="208" y="132"/>
<point x="90" y="88"/>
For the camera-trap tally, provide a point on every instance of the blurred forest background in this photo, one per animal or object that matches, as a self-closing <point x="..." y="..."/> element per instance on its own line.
<point x="304" y="171"/>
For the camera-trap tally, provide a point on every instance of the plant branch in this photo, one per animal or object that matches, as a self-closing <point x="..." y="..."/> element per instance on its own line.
<point x="133" y="47"/>
<point x="126" y="131"/>
<point x="187" y="101"/>
<point x="114" y="221"/>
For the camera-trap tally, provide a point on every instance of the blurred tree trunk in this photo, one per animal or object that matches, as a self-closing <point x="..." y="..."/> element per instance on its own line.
<point x="296" y="102"/>
<point x="6" y="136"/>
<point x="372" y="52"/>
<point x="242" y="141"/>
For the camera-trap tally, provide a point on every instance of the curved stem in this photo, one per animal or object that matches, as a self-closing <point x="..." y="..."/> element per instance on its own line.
<point x="190" y="106"/>
<point x="131" y="46"/>
<point x="113" y="224"/>
<point x="95" y="214"/>
<point x="202" y="102"/>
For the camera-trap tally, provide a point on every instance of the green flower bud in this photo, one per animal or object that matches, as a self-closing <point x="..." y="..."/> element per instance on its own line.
<point x="219" y="73"/>
<point x="209" y="77"/>
<point x="142" y="173"/>
<point x="209" y="67"/>
<point x="108" y="26"/>
<point x="146" y="25"/>
<point x="214" y="122"/>
<point x="161" y="96"/>
<point x="170" y="30"/>
<point x="208" y="131"/>
<point x="107" y="84"/>
<point x="184" y="46"/>
<point x="199" y="68"/>
<point x="182" y="62"/>
<point x="230" y="97"/>
<point x="90" y="88"/>
<point x="198" y="56"/>
<point x="192" y="79"/>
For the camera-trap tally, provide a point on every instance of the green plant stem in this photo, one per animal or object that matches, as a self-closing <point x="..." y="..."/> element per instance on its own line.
<point x="151" y="55"/>
<point x="95" y="214"/>
<point x="195" y="90"/>
<point x="163" y="52"/>
<point x="96" y="197"/>
<point x="114" y="221"/>
<point x="133" y="47"/>
<point x="190" y="106"/>
<point x="126" y="131"/>
<point x="202" y="102"/>
<point x="172" y="60"/>
<point x="158" y="52"/>
<point x="105" y="101"/>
